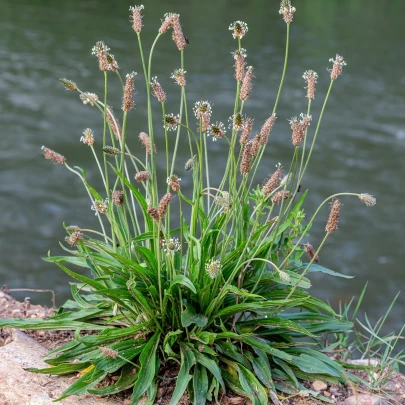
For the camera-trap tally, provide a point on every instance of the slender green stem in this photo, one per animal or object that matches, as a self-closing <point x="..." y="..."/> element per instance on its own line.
<point x="105" y="136"/>
<point x="91" y="198"/>
<point x="316" y="130"/>
<point x="310" y="223"/>
<point x="99" y="168"/>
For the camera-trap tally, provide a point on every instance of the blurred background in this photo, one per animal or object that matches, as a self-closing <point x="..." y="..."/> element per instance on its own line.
<point x="360" y="149"/>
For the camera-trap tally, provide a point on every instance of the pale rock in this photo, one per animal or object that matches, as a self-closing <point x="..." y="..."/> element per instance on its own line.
<point x="21" y="387"/>
<point x="364" y="399"/>
<point x="319" y="385"/>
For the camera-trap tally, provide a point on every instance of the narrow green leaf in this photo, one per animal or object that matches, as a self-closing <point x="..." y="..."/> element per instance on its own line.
<point x="212" y="366"/>
<point x="183" y="378"/>
<point x="316" y="268"/>
<point x="147" y="371"/>
<point x="200" y="385"/>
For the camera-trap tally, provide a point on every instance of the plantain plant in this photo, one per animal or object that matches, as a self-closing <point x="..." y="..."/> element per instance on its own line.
<point x="210" y="281"/>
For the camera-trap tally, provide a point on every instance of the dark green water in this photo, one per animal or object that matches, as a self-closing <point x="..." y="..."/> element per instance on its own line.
<point x="361" y="143"/>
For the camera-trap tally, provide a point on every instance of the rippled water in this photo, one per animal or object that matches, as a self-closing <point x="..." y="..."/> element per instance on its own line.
<point x="361" y="143"/>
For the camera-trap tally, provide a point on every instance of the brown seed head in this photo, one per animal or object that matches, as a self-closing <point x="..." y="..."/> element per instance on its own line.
<point x="217" y="131"/>
<point x="368" y="199"/>
<point x="273" y="182"/>
<point x="179" y="77"/>
<point x="100" y="206"/>
<point x="299" y="128"/>
<point x="266" y="129"/>
<point x="239" y="29"/>
<point x="171" y="121"/>
<point x="333" y="219"/>
<point x="255" y="145"/>
<point x="113" y="354"/>
<point x="112" y="63"/>
<point x="178" y="36"/>
<point x="287" y="11"/>
<point x="338" y="64"/>
<point x="68" y="84"/>
<point x="205" y="122"/>
<point x="157" y="90"/>
<point x="142" y="176"/>
<point x="74" y="238"/>
<point x="310" y="78"/>
<point x="136" y="18"/>
<point x="163" y="205"/>
<point x="153" y="212"/>
<point x="246" y="158"/>
<point x="280" y="196"/>
<point x="246" y="84"/>
<point x="100" y="50"/>
<point x="240" y="63"/>
<point x="145" y="139"/>
<point x="237" y="122"/>
<point x="247" y="129"/>
<point x="110" y="150"/>
<point x="128" y="100"/>
<point x="114" y="123"/>
<point x="89" y="98"/>
<point x="118" y="197"/>
<point x="88" y="137"/>
<point x="52" y="155"/>
<point x="167" y="22"/>
<point x="311" y="252"/>
<point x="174" y="182"/>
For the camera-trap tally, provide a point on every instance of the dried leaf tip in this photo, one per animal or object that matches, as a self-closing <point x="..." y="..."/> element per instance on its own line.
<point x="239" y="29"/>
<point x="57" y="158"/>
<point x="68" y="84"/>
<point x="333" y="219"/>
<point x="337" y="67"/>
<point x="157" y="90"/>
<point x="287" y="11"/>
<point x="310" y="78"/>
<point x="136" y="17"/>
<point x="368" y="199"/>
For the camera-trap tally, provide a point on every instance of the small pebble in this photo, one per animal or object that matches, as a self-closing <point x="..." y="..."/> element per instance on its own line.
<point x="319" y="385"/>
